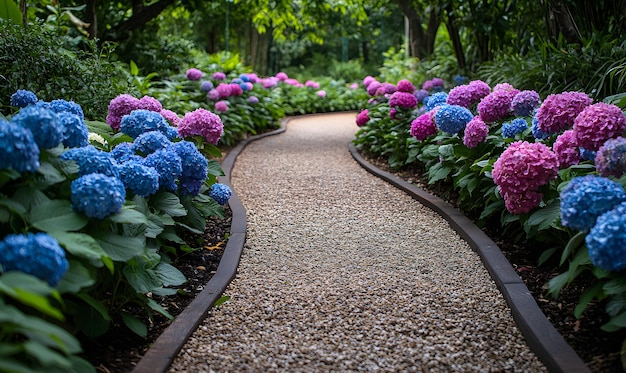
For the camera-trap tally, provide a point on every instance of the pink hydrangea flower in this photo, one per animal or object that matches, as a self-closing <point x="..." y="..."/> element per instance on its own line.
<point x="354" y="86"/>
<point x="170" y="116"/>
<point x="558" y="111"/>
<point x="282" y="76"/>
<point x="321" y="93"/>
<point x="224" y="90"/>
<point x="312" y="84"/>
<point x="362" y="118"/>
<point x="221" y="106"/>
<point x="269" y="82"/>
<point x="193" y="74"/>
<point x="597" y="123"/>
<point x="476" y="132"/>
<point x="519" y="172"/>
<point x="428" y="85"/>
<point x="392" y="113"/>
<point x="203" y="123"/>
<point x="367" y="80"/>
<point x="219" y="75"/>
<point x="388" y="88"/>
<point x="480" y="89"/>
<point x="496" y="105"/>
<point x="120" y="106"/>
<point x="566" y="149"/>
<point x="404" y="100"/>
<point x="505" y="87"/>
<point x="405" y="85"/>
<point x="235" y="89"/>
<point x="150" y="103"/>
<point x="293" y="82"/>
<point x="424" y="126"/>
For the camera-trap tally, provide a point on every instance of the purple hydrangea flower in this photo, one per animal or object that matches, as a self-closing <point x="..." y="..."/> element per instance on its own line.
<point x="597" y="123"/>
<point x="43" y="123"/>
<point x="610" y="159"/>
<point x="224" y="90"/>
<point x="221" y="193"/>
<point x="452" y="118"/>
<point x="22" y="98"/>
<point x="120" y="106"/>
<point x="97" y="195"/>
<point x="150" y="103"/>
<point x="367" y="80"/>
<point x="207" y="85"/>
<point x="496" y="105"/>
<point x="203" y="123"/>
<point x="170" y="116"/>
<point x="424" y="126"/>
<point x="514" y="127"/>
<point x="524" y="103"/>
<point x="253" y="100"/>
<point x="372" y="88"/>
<point x="362" y="118"/>
<point x="193" y="74"/>
<point x="37" y="254"/>
<point x="566" y="149"/>
<point x="221" y="106"/>
<point x="388" y="88"/>
<point x="213" y="95"/>
<point x="587" y="197"/>
<point x="558" y="111"/>
<point x="219" y="76"/>
<point x="235" y="90"/>
<point x="476" y="132"/>
<point x="139" y="179"/>
<point x="18" y="148"/>
<point x="606" y="241"/>
<point x="282" y="76"/>
<point x="461" y="95"/>
<point x="403" y="100"/>
<point x="421" y="95"/>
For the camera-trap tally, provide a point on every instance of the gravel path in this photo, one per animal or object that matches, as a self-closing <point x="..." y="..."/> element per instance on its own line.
<point x="342" y="272"/>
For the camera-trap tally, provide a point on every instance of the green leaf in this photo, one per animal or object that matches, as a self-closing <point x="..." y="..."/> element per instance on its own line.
<point x="10" y="10"/>
<point x="50" y="174"/>
<point x="134" y="324"/>
<point x="158" y="308"/>
<point x="30" y="291"/>
<point x="221" y="300"/>
<point x="616" y="286"/>
<point x="128" y="215"/>
<point x="556" y="284"/>
<point x="543" y="218"/>
<point x="214" y="168"/>
<point x="573" y="245"/>
<point x="170" y="275"/>
<point x="46" y="356"/>
<point x="594" y="291"/>
<point x="134" y="70"/>
<point x="56" y="215"/>
<point x="92" y="321"/>
<point x="13" y="366"/>
<point x="616" y="323"/>
<point x="76" y="278"/>
<point x="168" y="203"/>
<point x="546" y="254"/>
<point x="82" y="246"/>
<point x="121" y="248"/>
<point x="438" y="172"/>
<point x="142" y="280"/>
<point x="212" y="150"/>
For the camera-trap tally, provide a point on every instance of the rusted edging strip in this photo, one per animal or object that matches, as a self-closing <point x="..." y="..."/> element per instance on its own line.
<point x="167" y="346"/>
<point x="541" y="336"/>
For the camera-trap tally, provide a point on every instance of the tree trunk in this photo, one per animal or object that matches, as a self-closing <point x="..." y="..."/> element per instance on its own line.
<point x="92" y="18"/>
<point x="431" y="31"/>
<point x="453" y="30"/>
<point x="141" y="16"/>
<point x="563" y="22"/>
<point x="416" y="32"/>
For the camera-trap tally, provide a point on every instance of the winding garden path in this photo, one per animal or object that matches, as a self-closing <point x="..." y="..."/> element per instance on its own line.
<point x="343" y="272"/>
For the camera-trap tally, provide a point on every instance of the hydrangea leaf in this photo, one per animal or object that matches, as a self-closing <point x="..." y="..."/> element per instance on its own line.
<point x="170" y="275"/>
<point x="142" y="280"/>
<point x="129" y="215"/>
<point x="134" y="324"/>
<point x="76" y="278"/>
<point x="214" y="168"/>
<point x="30" y="291"/>
<point x="168" y="203"/>
<point x="50" y="174"/>
<point x="81" y="245"/>
<point x="56" y="215"/>
<point x="121" y="248"/>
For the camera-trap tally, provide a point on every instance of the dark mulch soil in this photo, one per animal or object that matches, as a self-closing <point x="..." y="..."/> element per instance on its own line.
<point x="120" y="349"/>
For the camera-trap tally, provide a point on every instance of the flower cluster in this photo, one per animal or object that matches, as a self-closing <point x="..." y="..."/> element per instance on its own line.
<point x="423" y="126"/>
<point x="253" y="100"/>
<point x="194" y="167"/>
<point x="610" y="159"/>
<point x="149" y="142"/>
<point x="203" y="123"/>
<point x="476" y="132"/>
<point x="403" y="100"/>
<point x="566" y="149"/>
<point x="321" y="93"/>
<point x="18" y="148"/>
<point x="496" y="105"/>
<point x="452" y="118"/>
<point x="219" y="76"/>
<point x="537" y="132"/>
<point x="141" y="180"/>
<point x="120" y="106"/>
<point x="405" y="85"/>
<point x="221" y="106"/>
<point x="524" y="103"/>
<point x="91" y="160"/>
<point x="606" y="241"/>
<point x="372" y="87"/>
<point x="43" y="123"/>
<point x="22" y="98"/>
<point x="97" y="195"/>
<point x="468" y="94"/>
<point x="221" y="193"/>
<point x="435" y="100"/>
<point x="37" y="254"/>
<point x="193" y="74"/>
<point x="558" y="111"/>
<point x="140" y="121"/>
<point x="435" y="84"/>
<point x="75" y="133"/>
<point x="367" y="80"/>
<point x="206" y="86"/>
<point x="512" y="128"/>
<point x="587" y="197"/>
<point x="597" y="123"/>
<point x="519" y="173"/>
<point x="168" y="165"/>
<point x="362" y="118"/>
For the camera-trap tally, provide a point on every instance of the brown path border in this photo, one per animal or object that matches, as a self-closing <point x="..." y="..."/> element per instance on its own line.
<point x="164" y="350"/>
<point x="541" y="336"/>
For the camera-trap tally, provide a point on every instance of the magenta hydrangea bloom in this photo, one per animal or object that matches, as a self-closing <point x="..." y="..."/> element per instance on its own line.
<point x="362" y="118"/>
<point x="150" y="103"/>
<point x="480" y="89"/>
<point x="269" y="82"/>
<point x="461" y="95"/>
<point x="611" y="158"/>
<point x="388" y="88"/>
<point x="120" y="106"/>
<point x="424" y="126"/>
<point x="476" y="132"/>
<point x="224" y="90"/>
<point x="597" y="123"/>
<point x="203" y="123"/>
<point x="367" y="80"/>
<point x="405" y="85"/>
<point x="282" y="76"/>
<point x="521" y="169"/>
<point x="312" y="84"/>
<point x="566" y="149"/>
<point x="404" y="100"/>
<point x="221" y="106"/>
<point x="372" y="88"/>
<point x="193" y="74"/>
<point x="558" y="111"/>
<point x="524" y="103"/>
<point x="496" y="105"/>
<point x="219" y="76"/>
<point x="170" y="116"/>
<point x="235" y="89"/>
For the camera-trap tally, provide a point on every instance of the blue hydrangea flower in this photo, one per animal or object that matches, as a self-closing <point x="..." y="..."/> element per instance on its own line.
<point x="168" y="165"/>
<point x="207" y="85"/>
<point x="587" y="197"/>
<point x="195" y="164"/>
<point x="221" y="193"/>
<point x="60" y="106"/>
<point x="587" y="155"/>
<point x="236" y="81"/>
<point x="452" y="118"/>
<point x="75" y="132"/>
<point x="141" y="180"/>
<point x="97" y="195"/>
<point x="43" y="123"/>
<point x="149" y="142"/>
<point x="512" y="128"/>
<point x="606" y="241"/>
<point x="538" y="133"/>
<point x="171" y="133"/>
<point x="22" y="98"/>
<point x="122" y="152"/>
<point x="460" y="79"/>
<point x="18" y="149"/>
<point x="37" y="254"/>
<point x="435" y="100"/>
<point x="189" y="186"/>
<point x="421" y="95"/>
<point x="141" y="121"/>
<point x="91" y="160"/>
<point x="244" y="78"/>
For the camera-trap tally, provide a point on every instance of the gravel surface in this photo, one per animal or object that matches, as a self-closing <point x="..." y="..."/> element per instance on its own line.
<point x="342" y="272"/>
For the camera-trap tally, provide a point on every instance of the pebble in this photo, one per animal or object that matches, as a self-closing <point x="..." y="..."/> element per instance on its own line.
<point x="341" y="272"/>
